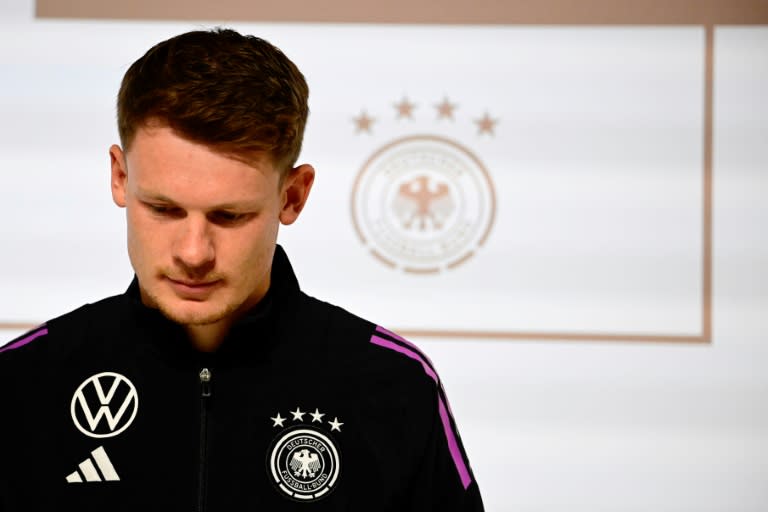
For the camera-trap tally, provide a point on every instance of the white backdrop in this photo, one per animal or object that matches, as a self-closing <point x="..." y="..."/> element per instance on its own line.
<point x="596" y="163"/>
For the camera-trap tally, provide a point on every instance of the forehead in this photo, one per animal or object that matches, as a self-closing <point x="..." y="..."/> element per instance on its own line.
<point x="159" y="161"/>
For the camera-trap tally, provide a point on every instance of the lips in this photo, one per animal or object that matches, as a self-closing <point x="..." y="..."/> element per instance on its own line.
<point x="193" y="284"/>
<point x="193" y="289"/>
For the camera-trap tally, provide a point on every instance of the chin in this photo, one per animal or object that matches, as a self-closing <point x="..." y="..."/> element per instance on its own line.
<point x="192" y="318"/>
<point x="195" y="313"/>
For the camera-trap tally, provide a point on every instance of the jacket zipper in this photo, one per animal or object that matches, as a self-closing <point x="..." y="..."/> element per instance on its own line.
<point x="205" y="396"/>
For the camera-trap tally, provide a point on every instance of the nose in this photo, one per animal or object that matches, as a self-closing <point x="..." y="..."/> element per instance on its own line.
<point x="194" y="249"/>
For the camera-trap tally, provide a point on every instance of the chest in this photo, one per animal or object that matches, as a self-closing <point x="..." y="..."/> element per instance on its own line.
<point x="119" y="435"/>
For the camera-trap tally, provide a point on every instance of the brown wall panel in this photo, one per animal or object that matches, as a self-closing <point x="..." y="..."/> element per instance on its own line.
<point x="556" y="12"/>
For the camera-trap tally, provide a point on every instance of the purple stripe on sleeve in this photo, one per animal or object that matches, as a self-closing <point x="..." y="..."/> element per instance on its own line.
<point x="23" y="341"/>
<point x="453" y="446"/>
<point x="396" y="336"/>
<point x="390" y="333"/>
<point x="402" y="340"/>
<point x="410" y="353"/>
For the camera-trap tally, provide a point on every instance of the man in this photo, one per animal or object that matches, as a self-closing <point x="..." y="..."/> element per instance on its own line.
<point x="214" y="383"/>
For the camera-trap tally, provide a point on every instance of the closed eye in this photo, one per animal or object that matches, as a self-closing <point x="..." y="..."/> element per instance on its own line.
<point x="164" y="210"/>
<point x="226" y="218"/>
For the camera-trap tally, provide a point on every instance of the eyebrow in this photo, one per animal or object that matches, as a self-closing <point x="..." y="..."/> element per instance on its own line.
<point x="148" y="196"/>
<point x="244" y="205"/>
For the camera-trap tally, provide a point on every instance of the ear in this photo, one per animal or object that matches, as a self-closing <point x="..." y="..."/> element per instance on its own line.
<point x="295" y="191"/>
<point x="119" y="174"/>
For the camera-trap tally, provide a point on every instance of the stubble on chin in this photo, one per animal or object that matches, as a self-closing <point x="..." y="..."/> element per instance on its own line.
<point x="199" y="318"/>
<point x="183" y="315"/>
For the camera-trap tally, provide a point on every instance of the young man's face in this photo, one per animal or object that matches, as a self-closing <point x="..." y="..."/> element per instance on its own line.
<point x="202" y="226"/>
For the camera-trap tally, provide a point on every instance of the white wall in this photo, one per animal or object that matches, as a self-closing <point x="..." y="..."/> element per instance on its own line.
<point x="549" y="426"/>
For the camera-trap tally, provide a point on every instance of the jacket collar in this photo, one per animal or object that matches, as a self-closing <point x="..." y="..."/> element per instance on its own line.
<point x="253" y="333"/>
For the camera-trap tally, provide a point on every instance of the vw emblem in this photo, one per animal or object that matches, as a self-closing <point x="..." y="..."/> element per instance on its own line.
<point x="104" y="405"/>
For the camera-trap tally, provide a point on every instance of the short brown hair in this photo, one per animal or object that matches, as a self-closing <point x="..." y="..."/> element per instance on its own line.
<point x="235" y="93"/>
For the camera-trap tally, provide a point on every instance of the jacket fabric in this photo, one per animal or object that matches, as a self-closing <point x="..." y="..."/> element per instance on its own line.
<point x="303" y="407"/>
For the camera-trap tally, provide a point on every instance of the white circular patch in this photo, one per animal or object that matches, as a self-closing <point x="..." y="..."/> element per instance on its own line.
<point x="304" y="464"/>
<point x="104" y="405"/>
<point x="423" y="204"/>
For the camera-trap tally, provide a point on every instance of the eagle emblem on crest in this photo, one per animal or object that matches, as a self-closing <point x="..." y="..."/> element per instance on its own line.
<point x="423" y="204"/>
<point x="305" y="464"/>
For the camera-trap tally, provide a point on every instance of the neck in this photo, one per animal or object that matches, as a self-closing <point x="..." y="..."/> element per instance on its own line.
<point x="209" y="337"/>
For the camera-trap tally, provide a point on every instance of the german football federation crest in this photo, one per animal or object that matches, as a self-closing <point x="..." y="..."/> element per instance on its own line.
<point x="303" y="461"/>
<point x="423" y="203"/>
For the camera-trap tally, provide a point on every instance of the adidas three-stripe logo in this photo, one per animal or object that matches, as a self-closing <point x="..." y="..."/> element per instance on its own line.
<point x="88" y="471"/>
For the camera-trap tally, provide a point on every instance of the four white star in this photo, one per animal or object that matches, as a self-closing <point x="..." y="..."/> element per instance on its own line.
<point x="278" y="420"/>
<point x="317" y="416"/>
<point x="335" y="424"/>
<point x="298" y="415"/>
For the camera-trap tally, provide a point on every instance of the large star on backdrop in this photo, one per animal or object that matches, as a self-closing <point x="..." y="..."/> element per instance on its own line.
<point x="445" y="109"/>
<point x="486" y="124"/>
<point x="405" y="108"/>
<point x="363" y="122"/>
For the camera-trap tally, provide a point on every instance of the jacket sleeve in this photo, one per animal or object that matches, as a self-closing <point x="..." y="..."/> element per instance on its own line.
<point x="439" y="477"/>
<point x="444" y="480"/>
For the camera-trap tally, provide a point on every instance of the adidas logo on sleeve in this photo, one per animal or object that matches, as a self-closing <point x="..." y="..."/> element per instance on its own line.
<point x="88" y="472"/>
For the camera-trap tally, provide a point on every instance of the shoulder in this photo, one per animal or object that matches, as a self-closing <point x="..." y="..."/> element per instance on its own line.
<point x="56" y="336"/>
<point x="370" y="349"/>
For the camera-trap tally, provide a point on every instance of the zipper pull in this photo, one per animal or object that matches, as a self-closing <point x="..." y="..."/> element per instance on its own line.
<point x="205" y="382"/>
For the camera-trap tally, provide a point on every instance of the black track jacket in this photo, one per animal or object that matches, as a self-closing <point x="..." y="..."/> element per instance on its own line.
<point x="303" y="407"/>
